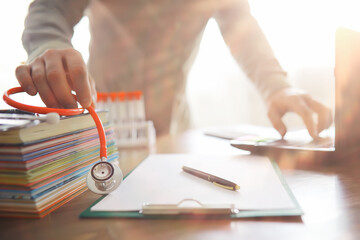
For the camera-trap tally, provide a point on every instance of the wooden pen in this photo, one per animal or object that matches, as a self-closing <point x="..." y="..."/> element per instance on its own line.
<point x="220" y="182"/>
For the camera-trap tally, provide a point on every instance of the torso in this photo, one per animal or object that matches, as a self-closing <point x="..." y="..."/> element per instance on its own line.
<point x="143" y="45"/>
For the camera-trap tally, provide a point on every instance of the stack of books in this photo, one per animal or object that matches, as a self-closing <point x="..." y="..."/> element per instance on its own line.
<point x="44" y="166"/>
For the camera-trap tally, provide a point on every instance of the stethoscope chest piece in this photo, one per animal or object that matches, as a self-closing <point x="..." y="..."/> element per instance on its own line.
<point x="104" y="177"/>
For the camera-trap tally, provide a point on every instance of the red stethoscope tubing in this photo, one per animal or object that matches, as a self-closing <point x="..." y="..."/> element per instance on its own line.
<point x="60" y="111"/>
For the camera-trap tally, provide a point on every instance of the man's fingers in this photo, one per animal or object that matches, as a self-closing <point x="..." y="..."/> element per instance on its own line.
<point x="23" y="76"/>
<point x="276" y="120"/>
<point x="54" y="75"/>
<point x="39" y="79"/>
<point x="56" y="78"/>
<point x="77" y="71"/>
<point x="300" y="107"/>
<point x="325" y="118"/>
<point x="294" y="100"/>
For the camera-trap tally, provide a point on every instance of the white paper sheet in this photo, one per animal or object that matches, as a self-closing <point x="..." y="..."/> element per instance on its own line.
<point x="159" y="179"/>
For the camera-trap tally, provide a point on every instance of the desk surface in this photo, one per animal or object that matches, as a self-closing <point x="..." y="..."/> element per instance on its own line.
<point x="329" y="194"/>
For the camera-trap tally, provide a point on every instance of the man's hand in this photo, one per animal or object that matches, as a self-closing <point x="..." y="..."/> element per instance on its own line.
<point x="295" y="100"/>
<point x="54" y="75"/>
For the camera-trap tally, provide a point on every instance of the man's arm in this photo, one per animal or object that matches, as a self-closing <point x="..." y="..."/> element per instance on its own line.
<point x="49" y="25"/>
<point x="251" y="49"/>
<point x="54" y="68"/>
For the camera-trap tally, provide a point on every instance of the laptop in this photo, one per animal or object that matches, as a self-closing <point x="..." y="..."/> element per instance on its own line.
<point x="342" y="139"/>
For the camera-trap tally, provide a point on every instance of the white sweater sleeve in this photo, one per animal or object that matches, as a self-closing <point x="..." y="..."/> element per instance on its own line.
<point x="250" y="47"/>
<point x="49" y="24"/>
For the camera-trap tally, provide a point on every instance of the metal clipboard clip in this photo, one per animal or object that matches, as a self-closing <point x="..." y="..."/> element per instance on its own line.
<point x="183" y="207"/>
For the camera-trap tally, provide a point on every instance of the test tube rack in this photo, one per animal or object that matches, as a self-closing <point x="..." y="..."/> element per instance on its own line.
<point x="127" y="115"/>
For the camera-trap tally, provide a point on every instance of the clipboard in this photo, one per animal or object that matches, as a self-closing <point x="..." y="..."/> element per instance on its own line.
<point x="198" y="209"/>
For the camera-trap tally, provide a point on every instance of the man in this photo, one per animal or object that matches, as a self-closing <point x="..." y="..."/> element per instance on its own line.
<point x="147" y="45"/>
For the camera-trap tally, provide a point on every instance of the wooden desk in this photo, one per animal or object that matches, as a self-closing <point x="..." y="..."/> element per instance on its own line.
<point x="328" y="194"/>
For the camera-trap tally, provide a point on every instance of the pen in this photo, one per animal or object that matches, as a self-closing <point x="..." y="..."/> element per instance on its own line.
<point x="211" y="178"/>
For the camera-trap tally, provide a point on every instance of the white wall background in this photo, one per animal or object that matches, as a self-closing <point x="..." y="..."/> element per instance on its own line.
<point x="301" y="33"/>
<point x="11" y="53"/>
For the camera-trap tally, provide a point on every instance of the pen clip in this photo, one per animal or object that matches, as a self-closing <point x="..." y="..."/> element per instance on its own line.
<point x="223" y="186"/>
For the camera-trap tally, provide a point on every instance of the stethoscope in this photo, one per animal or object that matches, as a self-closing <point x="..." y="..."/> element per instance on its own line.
<point x="104" y="177"/>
